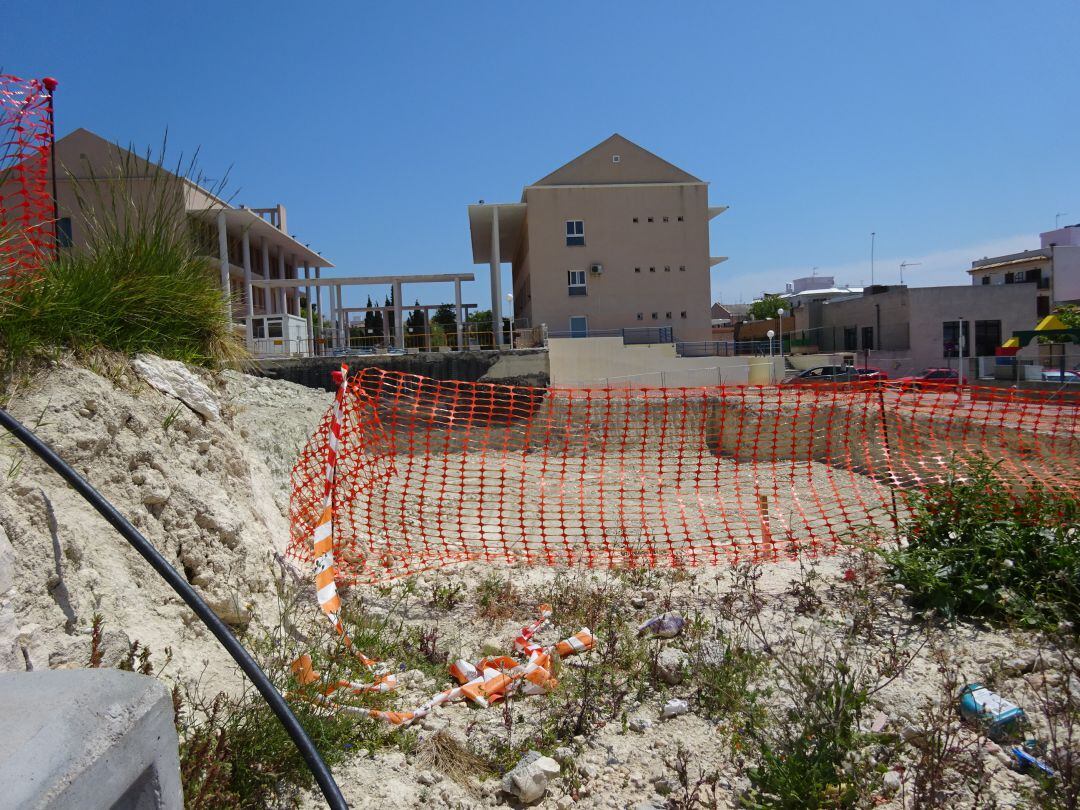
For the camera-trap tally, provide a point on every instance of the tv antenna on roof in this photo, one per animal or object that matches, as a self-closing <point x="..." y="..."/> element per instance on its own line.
<point x="1057" y="218"/>
<point x="906" y="264"/>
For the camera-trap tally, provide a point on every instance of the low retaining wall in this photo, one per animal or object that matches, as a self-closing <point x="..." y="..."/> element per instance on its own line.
<point x="519" y="367"/>
<point x="87" y="738"/>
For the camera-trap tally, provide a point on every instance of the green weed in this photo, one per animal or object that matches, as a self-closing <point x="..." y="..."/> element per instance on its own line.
<point x="978" y="549"/>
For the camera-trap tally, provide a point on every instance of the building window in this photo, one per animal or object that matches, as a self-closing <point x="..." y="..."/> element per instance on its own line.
<point x="950" y="343"/>
<point x="667" y="315"/>
<point x="987" y="337"/>
<point x="1042" y="306"/>
<point x="650" y="219"/>
<point x="635" y="219"/>
<point x="652" y="269"/>
<point x="867" y="337"/>
<point x="579" y="326"/>
<point x="641" y="316"/>
<point x="575" y="280"/>
<point x="850" y="339"/>
<point x="637" y="269"/>
<point x="654" y="316"/>
<point x="615" y="158"/>
<point x="667" y="268"/>
<point x="666" y="219"/>
<point x="680" y="219"/>
<point x="575" y="233"/>
<point x="257" y="330"/>
<point x="63" y="232"/>
<point x="985" y="280"/>
<point x="682" y="314"/>
<point x="682" y="268"/>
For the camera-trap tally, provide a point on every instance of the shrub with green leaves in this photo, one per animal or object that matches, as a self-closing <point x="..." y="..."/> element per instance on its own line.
<point x="807" y="759"/>
<point x="978" y="548"/>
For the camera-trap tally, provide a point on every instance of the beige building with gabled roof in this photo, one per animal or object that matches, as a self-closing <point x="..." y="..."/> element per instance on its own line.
<point x="616" y="239"/>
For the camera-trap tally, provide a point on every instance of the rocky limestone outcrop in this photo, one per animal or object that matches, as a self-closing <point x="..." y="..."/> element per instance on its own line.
<point x="210" y="493"/>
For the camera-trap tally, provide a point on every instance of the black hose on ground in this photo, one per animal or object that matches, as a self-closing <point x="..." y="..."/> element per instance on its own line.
<point x="271" y="695"/>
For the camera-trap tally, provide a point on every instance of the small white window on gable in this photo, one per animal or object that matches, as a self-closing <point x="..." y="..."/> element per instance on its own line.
<point x="575" y="233"/>
<point x="615" y="158"/>
<point x="575" y="282"/>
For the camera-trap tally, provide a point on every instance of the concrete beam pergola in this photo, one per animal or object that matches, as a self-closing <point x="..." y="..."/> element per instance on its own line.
<point x="349" y="281"/>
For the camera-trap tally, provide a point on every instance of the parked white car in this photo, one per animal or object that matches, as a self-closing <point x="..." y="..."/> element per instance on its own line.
<point x="1058" y="376"/>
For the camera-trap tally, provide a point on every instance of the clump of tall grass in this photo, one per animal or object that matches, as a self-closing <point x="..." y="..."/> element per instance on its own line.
<point x="141" y="283"/>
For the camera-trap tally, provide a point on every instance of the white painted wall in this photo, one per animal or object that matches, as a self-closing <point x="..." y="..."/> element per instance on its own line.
<point x="606" y="361"/>
<point x="1067" y="273"/>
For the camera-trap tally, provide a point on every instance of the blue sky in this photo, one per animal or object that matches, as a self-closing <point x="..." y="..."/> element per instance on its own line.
<point x="949" y="129"/>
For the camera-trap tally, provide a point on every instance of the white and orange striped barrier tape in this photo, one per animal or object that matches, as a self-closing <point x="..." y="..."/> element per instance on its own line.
<point x="325" y="571"/>
<point x="497" y="677"/>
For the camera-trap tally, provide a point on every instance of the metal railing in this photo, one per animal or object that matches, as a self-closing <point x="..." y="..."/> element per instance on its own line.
<point x="732" y="348"/>
<point x="631" y="336"/>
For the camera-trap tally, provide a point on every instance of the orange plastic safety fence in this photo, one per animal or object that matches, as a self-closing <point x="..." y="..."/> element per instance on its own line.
<point x="431" y="473"/>
<point x="26" y="205"/>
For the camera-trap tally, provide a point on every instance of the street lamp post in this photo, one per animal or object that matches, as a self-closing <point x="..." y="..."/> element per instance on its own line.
<point x="772" y="368"/>
<point x="780" y="328"/>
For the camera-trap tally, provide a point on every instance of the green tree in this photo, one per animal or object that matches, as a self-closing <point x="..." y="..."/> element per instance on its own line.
<point x="766" y="308"/>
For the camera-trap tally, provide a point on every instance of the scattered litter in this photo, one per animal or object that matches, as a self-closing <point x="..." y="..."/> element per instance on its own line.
<point x="666" y="625"/>
<point x="675" y="707"/>
<point x="1025" y="761"/>
<point x="999" y="717"/>
<point x="528" y="780"/>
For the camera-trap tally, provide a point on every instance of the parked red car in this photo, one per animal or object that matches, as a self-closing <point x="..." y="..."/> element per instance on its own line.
<point x="933" y="378"/>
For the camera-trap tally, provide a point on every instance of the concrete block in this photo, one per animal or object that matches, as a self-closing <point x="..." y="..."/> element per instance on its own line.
<point x="87" y="738"/>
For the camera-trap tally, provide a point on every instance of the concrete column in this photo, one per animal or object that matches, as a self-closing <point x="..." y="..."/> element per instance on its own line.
<point x="427" y="328"/>
<point x="307" y="293"/>
<point x="318" y="308"/>
<point x="342" y="319"/>
<point x="331" y="317"/>
<point x="385" y="325"/>
<point x="265" y="265"/>
<point x="399" y="322"/>
<point x="296" y="291"/>
<point x="457" y="311"/>
<point x="223" y="253"/>
<point x="280" y="293"/>
<point x="249" y="305"/>
<point x="496" y="278"/>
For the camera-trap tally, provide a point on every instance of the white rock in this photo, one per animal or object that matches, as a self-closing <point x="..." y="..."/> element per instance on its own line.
<point x="892" y="781"/>
<point x="175" y="379"/>
<point x="675" y="707"/>
<point x="671" y="665"/>
<point x="528" y="781"/>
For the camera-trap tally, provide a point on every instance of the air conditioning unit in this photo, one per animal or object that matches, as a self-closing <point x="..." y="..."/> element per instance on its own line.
<point x="596" y="269"/>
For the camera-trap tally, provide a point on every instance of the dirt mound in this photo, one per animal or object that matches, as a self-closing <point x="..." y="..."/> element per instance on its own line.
<point x="212" y="495"/>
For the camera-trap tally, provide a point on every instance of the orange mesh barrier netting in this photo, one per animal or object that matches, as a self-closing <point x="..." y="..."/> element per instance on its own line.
<point x="26" y="203"/>
<point x="430" y="473"/>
